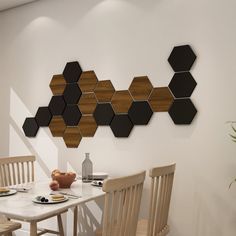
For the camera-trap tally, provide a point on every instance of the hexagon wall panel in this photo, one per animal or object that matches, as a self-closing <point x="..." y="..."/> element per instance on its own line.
<point x="160" y="99"/>
<point x="87" y="126"/>
<point x="140" y="88"/>
<point x="72" y="93"/>
<point x="104" y="91"/>
<point x="182" y="84"/>
<point x="87" y="103"/>
<point x="72" y="72"/>
<point x="182" y="111"/>
<point x="103" y="114"/>
<point x="121" y="101"/>
<point x="182" y="58"/>
<point x="57" y="84"/>
<point x="71" y="115"/>
<point x="57" y="105"/>
<point x="88" y="81"/>
<point x="43" y="116"/>
<point x="57" y="126"/>
<point x="140" y="113"/>
<point x="30" y="127"/>
<point x="121" y="125"/>
<point x="72" y="137"/>
<point x="80" y="102"/>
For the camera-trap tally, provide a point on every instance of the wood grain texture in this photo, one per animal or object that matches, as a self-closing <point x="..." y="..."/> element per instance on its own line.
<point x="104" y="91"/>
<point x="160" y="99"/>
<point x="87" y="103"/>
<point x="121" y="101"/>
<point x="140" y="88"/>
<point x="122" y="204"/>
<point x="57" y="84"/>
<point x="87" y="126"/>
<point x="161" y="188"/>
<point x="7" y="227"/>
<point x="72" y="137"/>
<point x="57" y="126"/>
<point x="16" y="170"/>
<point x="88" y="81"/>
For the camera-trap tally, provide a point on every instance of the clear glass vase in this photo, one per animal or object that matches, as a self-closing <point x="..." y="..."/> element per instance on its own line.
<point x="87" y="169"/>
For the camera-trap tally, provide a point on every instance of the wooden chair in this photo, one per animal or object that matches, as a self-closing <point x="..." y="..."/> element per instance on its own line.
<point x="7" y="227"/>
<point x="122" y="203"/>
<point x="16" y="170"/>
<point x="20" y="170"/>
<point x="161" y="187"/>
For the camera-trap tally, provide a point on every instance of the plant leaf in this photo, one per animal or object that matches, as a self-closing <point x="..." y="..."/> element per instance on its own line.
<point x="233" y="128"/>
<point x="232" y="136"/>
<point x="232" y="183"/>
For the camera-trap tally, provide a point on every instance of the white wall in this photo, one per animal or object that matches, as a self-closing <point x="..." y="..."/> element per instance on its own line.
<point x="120" y="40"/>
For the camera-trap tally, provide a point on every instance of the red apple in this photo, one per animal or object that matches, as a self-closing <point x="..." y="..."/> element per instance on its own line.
<point x="54" y="185"/>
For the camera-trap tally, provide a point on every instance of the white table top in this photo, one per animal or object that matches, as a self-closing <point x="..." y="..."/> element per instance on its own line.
<point x="21" y="207"/>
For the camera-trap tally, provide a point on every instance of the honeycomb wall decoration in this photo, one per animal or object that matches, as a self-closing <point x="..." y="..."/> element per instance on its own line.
<point x="81" y="102"/>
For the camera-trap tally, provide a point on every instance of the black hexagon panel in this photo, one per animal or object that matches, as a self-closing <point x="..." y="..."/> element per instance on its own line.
<point x="80" y="102"/>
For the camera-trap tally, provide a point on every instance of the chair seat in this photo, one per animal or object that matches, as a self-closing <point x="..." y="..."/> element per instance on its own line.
<point x="142" y="227"/>
<point x="98" y="232"/>
<point x="9" y="226"/>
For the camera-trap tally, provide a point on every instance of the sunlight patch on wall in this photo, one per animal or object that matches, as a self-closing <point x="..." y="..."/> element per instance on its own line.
<point x="43" y="146"/>
<point x="16" y="145"/>
<point x="70" y="168"/>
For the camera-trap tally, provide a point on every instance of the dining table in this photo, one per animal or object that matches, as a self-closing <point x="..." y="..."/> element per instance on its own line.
<point x="21" y="207"/>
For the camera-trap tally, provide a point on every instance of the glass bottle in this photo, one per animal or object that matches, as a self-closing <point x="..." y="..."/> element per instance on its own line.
<point x="87" y="169"/>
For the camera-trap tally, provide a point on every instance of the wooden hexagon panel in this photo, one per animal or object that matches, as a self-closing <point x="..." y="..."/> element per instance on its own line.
<point x="140" y="88"/>
<point x="104" y="91"/>
<point x="87" y="103"/>
<point x="72" y="137"/>
<point x="58" y="84"/>
<point x="88" y="81"/>
<point x="57" y="126"/>
<point x="87" y="126"/>
<point x="160" y="99"/>
<point x="81" y="102"/>
<point x="121" y="101"/>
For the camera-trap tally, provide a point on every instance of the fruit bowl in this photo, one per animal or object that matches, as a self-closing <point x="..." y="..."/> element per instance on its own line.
<point x="64" y="179"/>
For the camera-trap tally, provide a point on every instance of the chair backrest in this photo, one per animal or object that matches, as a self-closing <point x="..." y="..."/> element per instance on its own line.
<point x="161" y="187"/>
<point x="122" y="204"/>
<point x="16" y="170"/>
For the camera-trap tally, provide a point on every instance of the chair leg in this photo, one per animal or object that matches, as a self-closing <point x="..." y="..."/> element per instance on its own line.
<point x="60" y="225"/>
<point x="75" y="221"/>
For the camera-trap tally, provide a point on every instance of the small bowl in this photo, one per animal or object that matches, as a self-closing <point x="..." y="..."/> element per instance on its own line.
<point x="64" y="179"/>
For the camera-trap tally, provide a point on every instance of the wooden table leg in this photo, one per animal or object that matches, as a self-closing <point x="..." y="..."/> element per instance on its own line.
<point x="33" y="228"/>
<point x="75" y="221"/>
<point x="60" y="225"/>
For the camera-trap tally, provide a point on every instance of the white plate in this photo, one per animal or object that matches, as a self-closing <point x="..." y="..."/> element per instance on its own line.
<point x="10" y="192"/>
<point x="50" y="201"/>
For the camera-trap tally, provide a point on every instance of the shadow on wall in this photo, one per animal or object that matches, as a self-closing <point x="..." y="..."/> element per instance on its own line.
<point x="18" y="144"/>
<point x="47" y="159"/>
<point x="207" y="209"/>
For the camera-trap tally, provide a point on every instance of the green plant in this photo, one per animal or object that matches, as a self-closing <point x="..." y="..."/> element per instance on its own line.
<point x="233" y="136"/>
